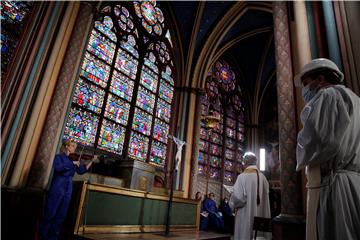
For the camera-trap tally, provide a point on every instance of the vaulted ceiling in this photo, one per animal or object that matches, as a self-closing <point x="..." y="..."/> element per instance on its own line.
<point x="241" y="33"/>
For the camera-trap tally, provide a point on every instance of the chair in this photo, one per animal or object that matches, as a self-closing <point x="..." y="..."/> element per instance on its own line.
<point x="262" y="224"/>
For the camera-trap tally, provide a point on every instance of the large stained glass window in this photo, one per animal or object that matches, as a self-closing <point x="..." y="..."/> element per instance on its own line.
<point x="124" y="93"/>
<point x="221" y="148"/>
<point x="14" y="16"/>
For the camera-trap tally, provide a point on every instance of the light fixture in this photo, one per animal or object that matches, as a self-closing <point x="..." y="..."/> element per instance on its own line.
<point x="210" y="121"/>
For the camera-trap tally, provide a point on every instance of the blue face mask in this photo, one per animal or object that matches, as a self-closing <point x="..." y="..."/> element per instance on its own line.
<point x="308" y="93"/>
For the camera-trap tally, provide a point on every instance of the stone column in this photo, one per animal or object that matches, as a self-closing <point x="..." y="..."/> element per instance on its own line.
<point x="50" y="136"/>
<point x="289" y="222"/>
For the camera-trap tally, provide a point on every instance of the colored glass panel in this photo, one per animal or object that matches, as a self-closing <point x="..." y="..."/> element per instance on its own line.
<point x="89" y="96"/>
<point x="122" y="86"/>
<point x="228" y="176"/>
<point x="81" y="127"/>
<point x="94" y="70"/>
<point x="106" y="27"/>
<point x="117" y="109"/>
<point x="214" y="173"/>
<point x="138" y="146"/>
<point x="130" y="46"/>
<point x="240" y="137"/>
<point x="230" y="132"/>
<point x="111" y="137"/>
<point x="215" y="161"/>
<point x="203" y="146"/>
<point x="150" y="62"/>
<point x="101" y="47"/>
<point x="229" y="154"/>
<point x="228" y="165"/>
<point x="204" y="134"/>
<point x="230" y="122"/>
<point x="126" y="63"/>
<point x="142" y="122"/>
<point x="202" y="169"/>
<point x="215" y="149"/>
<point x="216" y="138"/>
<point x="163" y="110"/>
<point x="158" y="153"/>
<point x="145" y="100"/>
<point x="230" y="143"/>
<point x="149" y="79"/>
<point x="167" y="75"/>
<point x="161" y="131"/>
<point x="166" y="91"/>
<point x="202" y="158"/>
<point x="240" y="127"/>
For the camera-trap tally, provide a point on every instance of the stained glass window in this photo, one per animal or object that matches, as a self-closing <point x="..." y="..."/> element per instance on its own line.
<point x="14" y="16"/>
<point x="123" y="97"/>
<point x="222" y="94"/>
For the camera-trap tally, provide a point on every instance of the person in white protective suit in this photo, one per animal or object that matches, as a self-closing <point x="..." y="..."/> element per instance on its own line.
<point x="330" y="142"/>
<point x="249" y="199"/>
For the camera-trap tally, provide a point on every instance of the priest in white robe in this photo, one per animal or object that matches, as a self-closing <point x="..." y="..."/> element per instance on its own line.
<point x="249" y="199"/>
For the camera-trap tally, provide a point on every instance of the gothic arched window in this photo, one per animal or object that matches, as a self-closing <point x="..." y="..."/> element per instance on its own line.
<point x="221" y="148"/>
<point x="123" y="95"/>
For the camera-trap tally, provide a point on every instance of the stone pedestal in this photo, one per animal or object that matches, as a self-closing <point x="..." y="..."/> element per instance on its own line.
<point x="136" y="174"/>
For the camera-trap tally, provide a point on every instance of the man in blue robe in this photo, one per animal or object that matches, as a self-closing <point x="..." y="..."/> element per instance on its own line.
<point x="216" y="221"/>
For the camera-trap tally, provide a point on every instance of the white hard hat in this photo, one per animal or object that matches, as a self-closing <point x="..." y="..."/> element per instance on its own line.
<point x="318" y="63"/>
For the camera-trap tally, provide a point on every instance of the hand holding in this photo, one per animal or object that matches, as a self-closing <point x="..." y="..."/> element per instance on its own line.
<point x="76" y="163"/>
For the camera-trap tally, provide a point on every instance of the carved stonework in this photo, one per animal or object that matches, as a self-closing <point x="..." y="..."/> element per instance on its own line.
<point x="290" y="179"/>
<point x="54" y="120"/>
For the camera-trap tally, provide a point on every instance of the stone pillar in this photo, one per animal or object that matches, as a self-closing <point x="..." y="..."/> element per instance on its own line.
<point x="290" y="223"/>
<point x="52" y="131"/>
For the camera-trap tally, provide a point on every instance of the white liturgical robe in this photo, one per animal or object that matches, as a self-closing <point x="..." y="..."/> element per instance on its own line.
<point x="244" y="200"/>
<point x="330" y="139"/>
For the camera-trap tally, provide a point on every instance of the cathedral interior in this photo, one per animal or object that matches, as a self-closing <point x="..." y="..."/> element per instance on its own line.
<point x="126" y="80"/>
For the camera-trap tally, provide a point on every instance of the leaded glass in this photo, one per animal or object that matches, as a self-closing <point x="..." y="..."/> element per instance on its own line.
<point x="204" y="134"/>
<point x="214" y="173"/>
<point x="106" y="27"/>
<point x="149" y="79"/>
<point x="202" y="169"/>
<point x="130" y="46"/>
<point x="229" y="154"/>
<point x="225" y="75"/>
<point x="216" y="138"/>
<point x="158" y="153"/>
<point x="230" y="132"/>
<point x="167" y="75"/>
<point x="138" y="146"/>
<point x="125" y="20"/>
<point x="142" y="122"/>
<point x="230" y="122"/>
<point x="89" y="96"/>
<point x="81" y="126"/>
<point x="117" y="109"/>
<point x="122" y="86"/>
<point x="215" y="161"/>
<point x="203" y="146"/>
<point x="95" y="70"/>
<point x="202" y="158"/>
<point x="152" y="16"/>
<point x="166" y="91"/>
<point x="240" y="137"/>
<point x="161" y="131"/>
<point x="101" y="47"/>
<point x="163" y="110"/>
<point x="230" y="143"/>
<point x="228" y="176"/>
<point x="163" y="52"/>
<point x="145" y="100"/>
<point x="215" y="149"/>
<point x="111" y="137"/>
<point x="240" y="127"/>
<point x="150" y="61"/>
<point x="126" y="63"/>
<point x="228" y="165"/>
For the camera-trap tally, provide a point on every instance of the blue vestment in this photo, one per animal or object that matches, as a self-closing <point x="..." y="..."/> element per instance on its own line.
<point x="59" y="196"/>
<point x="216" y="221"/>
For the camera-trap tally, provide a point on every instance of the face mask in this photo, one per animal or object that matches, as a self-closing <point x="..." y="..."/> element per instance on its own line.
<point x="308" y="93"/>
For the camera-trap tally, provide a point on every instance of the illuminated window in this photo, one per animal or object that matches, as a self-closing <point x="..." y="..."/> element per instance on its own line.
<point x="123" y="96"/>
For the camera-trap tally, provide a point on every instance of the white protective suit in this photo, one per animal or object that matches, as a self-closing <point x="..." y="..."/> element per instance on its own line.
<point x="244" y="200"/>
<point x="330" y="138"/>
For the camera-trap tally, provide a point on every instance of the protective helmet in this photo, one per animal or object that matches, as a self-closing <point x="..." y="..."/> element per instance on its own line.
<point x="318" y="63"/>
